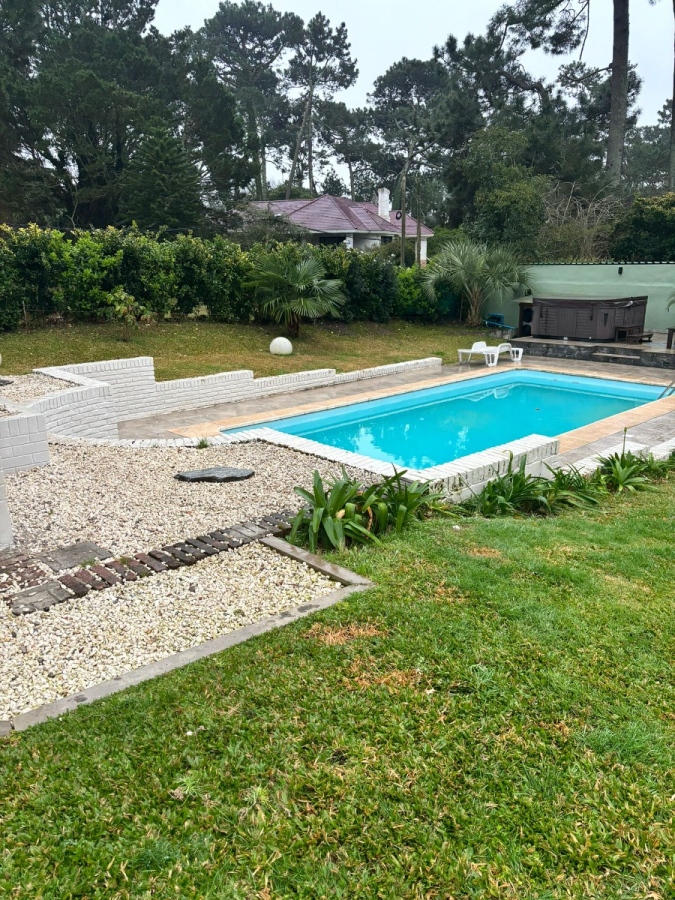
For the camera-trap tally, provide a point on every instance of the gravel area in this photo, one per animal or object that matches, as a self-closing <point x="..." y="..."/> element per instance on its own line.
<point x="25" y="388"/>
<point x="127" y="499"/>
<point x="80" y="643"/>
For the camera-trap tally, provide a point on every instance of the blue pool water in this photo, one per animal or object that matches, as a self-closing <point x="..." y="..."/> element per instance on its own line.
<point x="436" y="425"/>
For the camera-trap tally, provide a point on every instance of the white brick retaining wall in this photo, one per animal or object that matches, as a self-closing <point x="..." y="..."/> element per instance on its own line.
<point x="96" y="396"/>
<point x="118" y="390"/>
<point x="23" y="442"/>
<point x="5" y="518"/>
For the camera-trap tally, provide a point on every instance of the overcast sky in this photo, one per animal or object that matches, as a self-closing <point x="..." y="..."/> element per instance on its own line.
<point x="383" y="31"/>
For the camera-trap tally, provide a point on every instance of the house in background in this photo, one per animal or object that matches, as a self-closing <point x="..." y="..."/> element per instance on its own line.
<point x="338" y="220"/>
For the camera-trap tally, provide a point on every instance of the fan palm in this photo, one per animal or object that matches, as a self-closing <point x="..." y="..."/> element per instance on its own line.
<point x="293" y="290"/>
<point x="475" y="271"/>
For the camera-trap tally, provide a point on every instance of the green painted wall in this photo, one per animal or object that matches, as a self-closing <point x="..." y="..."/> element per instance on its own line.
<point x="602" y="281"/>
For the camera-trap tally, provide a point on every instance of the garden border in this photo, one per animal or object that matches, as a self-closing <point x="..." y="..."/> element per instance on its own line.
<point x="351" y="584"/>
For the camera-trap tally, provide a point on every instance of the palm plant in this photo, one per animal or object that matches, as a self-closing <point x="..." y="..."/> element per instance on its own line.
<point x="475" y="271"/>
<point x="292" y="290"/>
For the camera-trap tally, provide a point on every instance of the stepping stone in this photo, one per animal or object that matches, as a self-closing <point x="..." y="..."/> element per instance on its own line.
<point x="79" y="588"/>
<point x="217" y="474"/>
<point x="105" y="574"/>
<point x="41" y="597"/>
<point x="137" y="567"/>
<point x="185" y="558"/>
<point x="169" y="561"/>
<point x="122" y="571"/>
<point x="74" y="555"/>
<point x="154" y="564"/>
<point x="201" y="547"/>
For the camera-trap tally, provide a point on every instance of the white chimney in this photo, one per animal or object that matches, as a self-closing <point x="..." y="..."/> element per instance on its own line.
<point x="383" y="203"/>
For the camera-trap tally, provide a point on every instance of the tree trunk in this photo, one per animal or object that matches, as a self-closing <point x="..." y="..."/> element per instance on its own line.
<point x="254" y="141"/>
<point x="671" y="164"/>
<point x="619" y="90"/>
<point x="418" y="244"/>
<point x="310" y="148"/>
<point x="404" y="175"/>
<point x="263" y="168"/>
<point x="475" y="305"/>
<point x="350" y="168"/>
<point x="298" y="143"/>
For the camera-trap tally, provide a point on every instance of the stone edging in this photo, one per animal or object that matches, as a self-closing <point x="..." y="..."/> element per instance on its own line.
<point x="351" y="584"/>
<point x="457" y="479"/>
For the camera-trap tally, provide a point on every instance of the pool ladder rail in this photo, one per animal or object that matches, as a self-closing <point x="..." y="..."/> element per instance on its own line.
<point x="669" y="391"/>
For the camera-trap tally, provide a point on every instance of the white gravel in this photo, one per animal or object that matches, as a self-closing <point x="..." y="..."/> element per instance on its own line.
<point x="25" y="388"/>
<point x="127" y="499"/>
<point x="45" y="656"/>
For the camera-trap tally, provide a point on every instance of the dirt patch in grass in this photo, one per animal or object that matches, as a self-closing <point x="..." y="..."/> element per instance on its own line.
<point x="337" y="635"/>
<point x="486" y="552"/>
<point x="362" y="675"/>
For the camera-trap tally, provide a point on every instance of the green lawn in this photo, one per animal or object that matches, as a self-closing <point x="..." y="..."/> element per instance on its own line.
<point x="186" y="349"/>
<point x="494" y="720"/>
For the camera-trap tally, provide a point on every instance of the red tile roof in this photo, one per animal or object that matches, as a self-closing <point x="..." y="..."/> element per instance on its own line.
<point x="339" y="215"/>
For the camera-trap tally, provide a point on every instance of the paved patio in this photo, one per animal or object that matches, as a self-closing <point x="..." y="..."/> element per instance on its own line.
<point x="208" y="421"/>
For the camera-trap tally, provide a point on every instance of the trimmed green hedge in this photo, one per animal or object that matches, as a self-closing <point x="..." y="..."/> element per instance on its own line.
<point x="44" y="272"/>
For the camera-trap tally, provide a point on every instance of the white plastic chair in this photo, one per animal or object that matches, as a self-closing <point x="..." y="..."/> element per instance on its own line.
<point x="479" y="347"/>
<point x="492" y="354"/>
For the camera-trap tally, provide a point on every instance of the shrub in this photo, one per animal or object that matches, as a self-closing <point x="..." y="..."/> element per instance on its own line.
<point x="369" y="282"/>
<point x="413" y="302"/>
<point x="88" y="277"/>
<point x="146" y="269"/>
<point x="32" y="276"/>
<point x="229" y="270"/>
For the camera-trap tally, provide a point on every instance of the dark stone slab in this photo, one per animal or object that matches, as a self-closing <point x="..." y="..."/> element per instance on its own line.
<point x="193" y="551"/>
<point x="201" y="546"/>
<point x="217" y="474"/>
<point x="169" y="561"/>
<point x="154" y="564"/>
<point x="121" y="570"/>
<point x="41" y="597"/>
<point x="106" y="575"/>
<point x="85" y="576"/>
<point x="239" y="536"/>
<point x="221" y="535"/>
<point x="79" y="588"/>
<point x="74" y="555"/>
<point x="137" y="567"/>
<point x="219" y="544"/>
<point x="185" y="558"/>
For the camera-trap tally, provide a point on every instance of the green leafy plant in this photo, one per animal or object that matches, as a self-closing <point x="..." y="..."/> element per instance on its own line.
<point x="336" y="512"/>
<point x="570" y="487"/>
<point x="292" y="290"/>
<point x="127" y="311"/>
<point x="513" y="492"/>
<point x="343" y="511"/>
<point x="626" y="471"/>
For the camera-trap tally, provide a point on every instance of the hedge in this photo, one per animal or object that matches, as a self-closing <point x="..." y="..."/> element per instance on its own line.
<point x="44" y="272"/>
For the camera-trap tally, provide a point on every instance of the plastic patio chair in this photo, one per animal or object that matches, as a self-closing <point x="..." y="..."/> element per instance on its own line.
<point x="478" y="347"/>
<point x="492" y="354"/>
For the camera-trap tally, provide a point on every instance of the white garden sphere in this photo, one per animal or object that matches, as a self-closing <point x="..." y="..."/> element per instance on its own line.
<point x="281" y="347"/>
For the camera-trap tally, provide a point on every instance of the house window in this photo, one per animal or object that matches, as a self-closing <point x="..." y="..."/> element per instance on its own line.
<point x="387" y="239"/>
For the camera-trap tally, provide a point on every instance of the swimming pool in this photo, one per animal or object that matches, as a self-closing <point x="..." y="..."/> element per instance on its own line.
<point x="428" y="427"/>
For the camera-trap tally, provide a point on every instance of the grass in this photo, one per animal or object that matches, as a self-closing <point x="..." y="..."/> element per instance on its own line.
<point x="494" y="720"/>
<point x="186" y="349"/>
